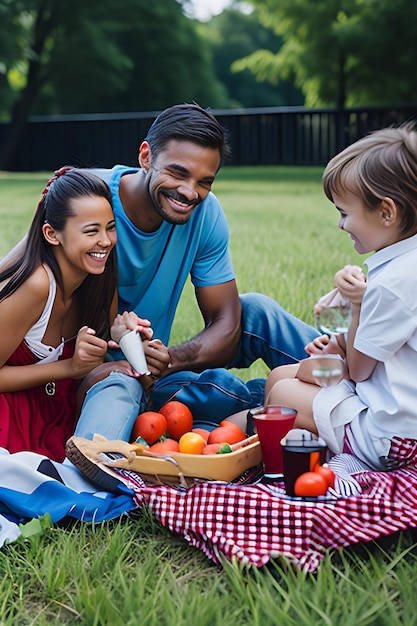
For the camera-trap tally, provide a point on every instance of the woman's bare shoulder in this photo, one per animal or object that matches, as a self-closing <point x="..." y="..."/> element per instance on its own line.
<point x="32" y="294"/>
<point x="20" y="310"/>
<point x="38" y="283"/>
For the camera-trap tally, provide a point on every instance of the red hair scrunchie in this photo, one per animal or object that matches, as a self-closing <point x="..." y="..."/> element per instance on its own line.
<point x="56" y="175"/>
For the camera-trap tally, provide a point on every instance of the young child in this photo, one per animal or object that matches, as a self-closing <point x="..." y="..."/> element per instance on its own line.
<point x="372" y="412"/>
<point x="57" y="301"/>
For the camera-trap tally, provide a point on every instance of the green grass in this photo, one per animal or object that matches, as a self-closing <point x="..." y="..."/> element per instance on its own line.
<point x="285" y="243"/>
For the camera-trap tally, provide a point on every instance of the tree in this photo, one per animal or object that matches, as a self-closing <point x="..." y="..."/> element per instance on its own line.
<point x="39" y="24"/>
<point x="233" y="34"/>
<point x="161" y="61"/>
<point x="101" y="56"/>
<point x="172" y="63"/>
<point x="341" y="52"/>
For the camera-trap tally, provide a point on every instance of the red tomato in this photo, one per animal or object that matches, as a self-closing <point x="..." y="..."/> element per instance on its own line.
<point x="165" y="447"/>
<point x="310" y="484"/>
<point x="179" y="418"/>
<point x="327" y="473"/>
<point x="226" y="434"/>
<point x="150" y="426"/>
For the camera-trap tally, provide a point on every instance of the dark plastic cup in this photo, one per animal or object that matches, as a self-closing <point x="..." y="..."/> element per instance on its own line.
<point x="298" y="459"/>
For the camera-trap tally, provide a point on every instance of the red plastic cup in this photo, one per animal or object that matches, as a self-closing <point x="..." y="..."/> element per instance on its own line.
<point x="271" y="427"/>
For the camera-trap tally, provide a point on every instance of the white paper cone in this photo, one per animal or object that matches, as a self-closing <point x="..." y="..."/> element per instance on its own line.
<point x="132" y="347"/>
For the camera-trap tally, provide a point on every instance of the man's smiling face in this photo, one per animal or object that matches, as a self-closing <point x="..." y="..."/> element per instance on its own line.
<point x="179" y="178"/>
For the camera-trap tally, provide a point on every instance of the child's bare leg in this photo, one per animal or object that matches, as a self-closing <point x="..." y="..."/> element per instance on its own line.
<point x="283" y="372"/>
<point x="297" y="395"/>
<point x="279" y="373"/>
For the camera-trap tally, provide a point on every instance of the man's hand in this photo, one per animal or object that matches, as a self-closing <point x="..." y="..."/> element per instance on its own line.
<point x="157" y="357"/>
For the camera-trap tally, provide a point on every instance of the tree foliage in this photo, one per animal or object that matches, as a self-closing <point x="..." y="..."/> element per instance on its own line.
<point x="98" y="56"/>
<point x="234" y="34"/>
<point x="148" y="60"/>
<point x="340" y="52"/>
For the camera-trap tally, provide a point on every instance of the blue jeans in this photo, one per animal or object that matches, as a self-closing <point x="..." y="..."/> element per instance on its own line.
<point x="269" y="332"/>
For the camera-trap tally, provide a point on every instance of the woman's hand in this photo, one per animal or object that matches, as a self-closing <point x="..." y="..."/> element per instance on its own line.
<point x="89" y="352"/>
<point x="126" y="322"/>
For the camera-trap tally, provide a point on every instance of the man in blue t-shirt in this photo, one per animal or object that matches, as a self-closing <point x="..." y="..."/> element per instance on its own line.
<point x="171" y="226"/>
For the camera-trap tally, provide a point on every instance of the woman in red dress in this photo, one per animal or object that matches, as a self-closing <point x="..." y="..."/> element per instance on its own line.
<point x="57" y="301"/>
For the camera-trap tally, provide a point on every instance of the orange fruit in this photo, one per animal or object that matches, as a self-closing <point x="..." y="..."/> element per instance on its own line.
<point x="314" y="460"/>
<point x="165" y="447"/>
<point x="203" y="432"/>
<point x="226" y="434"/>
<point x="179" y="418"/>
<point x="327" y="473"/>
<point x="310" y="484"/>
<point x="149" y="425"/>
<point x="191" y="443"/>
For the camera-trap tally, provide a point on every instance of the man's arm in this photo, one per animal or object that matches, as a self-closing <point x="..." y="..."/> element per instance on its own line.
<point x="216" y="345"/>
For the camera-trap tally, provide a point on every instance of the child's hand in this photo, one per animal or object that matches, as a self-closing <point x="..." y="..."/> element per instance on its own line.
<point x="317" y="345"/>
<point x="327" y="345"/>
<point x="126" y="322"/>
<point x="351" y="282"/>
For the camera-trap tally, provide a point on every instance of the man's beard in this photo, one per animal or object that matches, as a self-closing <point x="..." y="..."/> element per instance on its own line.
<point x="176" y="218"/>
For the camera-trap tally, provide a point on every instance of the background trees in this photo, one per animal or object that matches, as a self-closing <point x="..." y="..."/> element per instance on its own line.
<point x="340" y="52"/>
<point x="98" y="56"/>
<point x="233" y="35"/>
<point x="136" y="55"/>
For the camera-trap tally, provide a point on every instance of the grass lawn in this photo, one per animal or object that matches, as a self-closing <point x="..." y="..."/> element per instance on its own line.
<point x="284" y="243"/>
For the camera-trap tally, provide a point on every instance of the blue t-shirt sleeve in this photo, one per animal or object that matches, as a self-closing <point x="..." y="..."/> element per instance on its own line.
<point x="213" y="264"/>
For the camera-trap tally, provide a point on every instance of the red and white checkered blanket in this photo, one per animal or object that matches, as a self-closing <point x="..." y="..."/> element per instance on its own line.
<point x="257" y="523"/>
<point x="250" y="523"/>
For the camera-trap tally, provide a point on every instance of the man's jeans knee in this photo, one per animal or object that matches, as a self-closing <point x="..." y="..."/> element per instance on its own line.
<point x="211" y="396"/>
<point x="270" y="333"/>
<point x="110" y="408"/>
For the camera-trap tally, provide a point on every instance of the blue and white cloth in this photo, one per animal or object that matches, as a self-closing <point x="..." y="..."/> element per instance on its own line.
<point x="32" y="485"/>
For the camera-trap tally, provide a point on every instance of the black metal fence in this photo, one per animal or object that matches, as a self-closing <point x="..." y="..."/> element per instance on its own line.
<point x="263" y="136"/>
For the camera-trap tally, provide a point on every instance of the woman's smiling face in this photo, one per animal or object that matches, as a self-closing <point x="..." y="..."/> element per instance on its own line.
<point x="89" y="234"/>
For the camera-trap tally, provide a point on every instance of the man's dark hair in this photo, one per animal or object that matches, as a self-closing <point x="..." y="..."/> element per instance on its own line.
<point x="188" y="122"/>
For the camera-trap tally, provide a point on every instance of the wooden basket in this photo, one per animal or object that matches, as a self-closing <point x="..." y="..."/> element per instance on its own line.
<point x="173" y="468"/>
